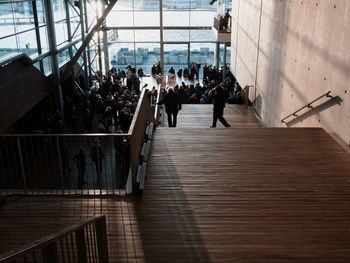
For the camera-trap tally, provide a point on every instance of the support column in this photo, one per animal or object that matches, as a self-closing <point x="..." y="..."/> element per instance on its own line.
<point x="37" y="33"/>
<point x="217" y="55"/>
<point x="82" y="25"/>
<point x="69" y="31"/>
<point x="161" y="35"/>
<point x="225" y="62"/>
<point x="51" y="34"/>
<point x="105" y="44"/>
<point x="88" y="47"/>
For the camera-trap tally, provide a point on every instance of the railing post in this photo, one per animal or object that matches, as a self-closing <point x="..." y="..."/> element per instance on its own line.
<point x="21" y="162"/>
<point x="81" y="246"/>
<point x="50" y="253"/>
<point x="101" y="236"/>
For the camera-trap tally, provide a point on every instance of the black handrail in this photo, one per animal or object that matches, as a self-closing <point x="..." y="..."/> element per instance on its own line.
<point x="307" y="106"/>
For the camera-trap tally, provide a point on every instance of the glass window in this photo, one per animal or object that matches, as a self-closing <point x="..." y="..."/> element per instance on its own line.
<point x="147" y="35"/>
<point x="41" y="12"/>
<point x="43" y="39"/>
<point x="202" y="35"/>
<point x="146" y="18"/>
<point x="23" y="15"/>
<point x="27" y="42"/>
<point x="202" y="18"/>
<point x="61" y="32"/>
<point x="47" y="65"/>
<point x="120" y="18"/>
<point x="121" y="55"/>
<point x="8" y="46"/>
<point x="179" y="4"/>
<point x="147" y="54"/>
<point x="124" y="5"/>
<point x="202" y="53"/>
<point x="146" y="4"/>
<point x="176" y="18"/>
<point x="59" y="10"/>
<point x="176" y="35"/>
<point x="176" y="56"/>
<point x="7" y="26"/>
<point x="123" y="36"/>
<point x="63" y="57"/>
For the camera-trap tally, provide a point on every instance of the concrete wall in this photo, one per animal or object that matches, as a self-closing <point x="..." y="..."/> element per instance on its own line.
<point x="293" y="52"/>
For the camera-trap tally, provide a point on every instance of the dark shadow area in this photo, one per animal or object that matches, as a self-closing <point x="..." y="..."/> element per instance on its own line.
<point x="168" y="228"/>
<point x="324" y="106"/>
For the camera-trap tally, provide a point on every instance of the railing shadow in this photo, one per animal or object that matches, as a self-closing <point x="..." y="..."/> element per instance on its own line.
<point x="326" y="105"/>
<point x="168" y="228"/>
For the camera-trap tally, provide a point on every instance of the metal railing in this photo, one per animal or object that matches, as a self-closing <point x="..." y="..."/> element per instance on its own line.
<point x="61" y="164"/>
<point x="307" y="106"/>
<point x="84" y="242"/>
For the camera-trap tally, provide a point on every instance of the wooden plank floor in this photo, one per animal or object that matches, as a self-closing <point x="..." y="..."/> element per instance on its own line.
<point x="201" y="116"/>
<point x="215" y="195"/>
<point x="246" y="195"/>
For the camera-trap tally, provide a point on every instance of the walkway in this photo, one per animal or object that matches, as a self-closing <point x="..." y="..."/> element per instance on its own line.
<point x="243" y="194"/>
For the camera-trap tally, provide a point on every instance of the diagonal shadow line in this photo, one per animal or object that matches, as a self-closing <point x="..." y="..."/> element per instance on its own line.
<point x="324" y="106"/>
<point x="172" y="234"/>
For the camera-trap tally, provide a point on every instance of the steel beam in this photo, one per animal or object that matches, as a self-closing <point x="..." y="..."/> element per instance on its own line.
<point x="85" y="43"/>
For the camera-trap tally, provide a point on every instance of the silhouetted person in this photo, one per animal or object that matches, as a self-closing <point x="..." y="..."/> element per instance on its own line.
<point x="217" y="94"/>
<point x="172" y="106"/>
<point x="97" y="156"/>
<point x="172" y="71"/>
<point x="80" y="161"/>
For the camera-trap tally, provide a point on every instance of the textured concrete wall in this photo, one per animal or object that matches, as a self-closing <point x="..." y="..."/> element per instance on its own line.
<point x="293" y="52"/>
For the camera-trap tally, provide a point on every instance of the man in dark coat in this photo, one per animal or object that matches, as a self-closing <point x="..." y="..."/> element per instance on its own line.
<point x="172" y="106"/>
<point x="80" y="161"/>
<point x="218" y="96"/>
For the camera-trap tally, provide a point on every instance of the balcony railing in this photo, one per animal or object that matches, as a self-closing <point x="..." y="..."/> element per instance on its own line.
<point x="61" y="164"/>
<point x="84" y="242"/>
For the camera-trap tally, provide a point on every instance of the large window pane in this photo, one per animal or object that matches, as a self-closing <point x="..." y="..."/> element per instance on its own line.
<point x="176" y="56"/>
<point x="176" y="35"/>
<point x="8" y="46"/>
<point x="61" y="32"/>
<point x="63" y="57"/>
<point x="23" y="15"/>
<point x="176" y="18"/>
<point x="147" y="54"/>
<point x="146" y="18"/>
<point x="147" y="35"/>
<point x="59" y="10"/>
<point x="121" y="55"/>
<point x="27" y="42"/>
<point x="41" y="12"/>
<point x="123" y="36"/>
<point x="202" y="53"/>
<point x="202" y="35"/>
<point x="43" y="39"/>
<point x="202" y="18"/>
<point x="179" y="4"/>
<point x="120" y="18"/>
<point x="7" y="26"/>
<point x="146" y="4"/>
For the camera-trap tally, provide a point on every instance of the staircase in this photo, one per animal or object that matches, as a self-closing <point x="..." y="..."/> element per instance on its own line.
<point x="22" y="87"/>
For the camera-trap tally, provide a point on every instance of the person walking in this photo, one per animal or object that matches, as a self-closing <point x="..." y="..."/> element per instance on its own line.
<point x="80" y="161"/>
<point x="172" y="106"/>
<point x="218" y="97"/>
<point x="97" y="156"/>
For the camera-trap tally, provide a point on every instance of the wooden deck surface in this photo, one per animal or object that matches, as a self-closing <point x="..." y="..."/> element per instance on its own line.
<point x="215" y="195"/>
<point x="201" y="116"/>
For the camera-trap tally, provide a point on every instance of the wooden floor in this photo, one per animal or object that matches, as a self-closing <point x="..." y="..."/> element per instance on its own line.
<point x="215" y="195"/>
<point x="201" y="116"/>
